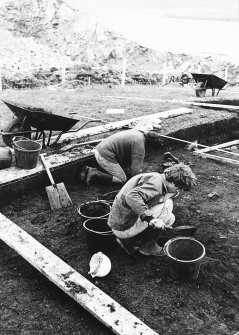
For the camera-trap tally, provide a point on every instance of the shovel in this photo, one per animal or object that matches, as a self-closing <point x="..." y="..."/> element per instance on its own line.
<point x="57" y="193"/>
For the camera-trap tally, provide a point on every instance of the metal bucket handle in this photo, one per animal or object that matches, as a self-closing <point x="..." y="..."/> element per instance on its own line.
<point x="89" y="202"/>
<point x="169" y="241"/>
<point x="95" y="231"/>
<point x="15" y="139"/>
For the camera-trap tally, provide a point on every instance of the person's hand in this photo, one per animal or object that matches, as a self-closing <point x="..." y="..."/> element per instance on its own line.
<point x="157" y="224"/>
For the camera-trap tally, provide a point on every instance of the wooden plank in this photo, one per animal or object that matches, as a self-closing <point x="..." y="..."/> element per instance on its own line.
<point x="217" y="158"/>
<point x="89" y="296"/>
<point x="119" y="124"/>
<point x="13" y="173"/>
<point x="206" y="148"/>
<point x="217" y="106"/>
<point x="222" y="145"/>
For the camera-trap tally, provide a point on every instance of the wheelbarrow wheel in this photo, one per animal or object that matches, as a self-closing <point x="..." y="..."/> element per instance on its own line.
<point x="14" y="127"/>
<point x="184" y="79"/>
<point x="200" y="90"/>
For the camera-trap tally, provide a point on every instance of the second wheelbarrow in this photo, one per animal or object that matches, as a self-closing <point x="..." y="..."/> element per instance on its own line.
<point x="206" y="81"/>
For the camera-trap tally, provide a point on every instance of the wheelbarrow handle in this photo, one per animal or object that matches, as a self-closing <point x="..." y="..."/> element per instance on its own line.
<point x="47" y="169"/>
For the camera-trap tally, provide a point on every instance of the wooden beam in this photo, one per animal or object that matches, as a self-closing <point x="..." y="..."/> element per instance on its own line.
<point x="206" y="148"/>
<point x="222" y="145"/>
<point x="217" y="106"/>
<point x="216" y="158"/>
<point x="120" y="124"/>
<point x="204" y="152"/>
<point x="57" y="160"/>
<point x="89" y="296"/>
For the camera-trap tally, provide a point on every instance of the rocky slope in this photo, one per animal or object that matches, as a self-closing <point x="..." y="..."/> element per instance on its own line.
<point x="39" y="37"/>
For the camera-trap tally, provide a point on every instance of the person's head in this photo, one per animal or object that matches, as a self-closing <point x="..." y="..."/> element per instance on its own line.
<point x="179" y="176"/>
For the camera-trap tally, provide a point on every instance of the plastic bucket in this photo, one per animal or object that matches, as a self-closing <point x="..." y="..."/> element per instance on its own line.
<point x="184" y="255"/>
<point x="99" y="236"/>
<point x="26" y="153"/>
<point x="94" y="209"/>
<point x="5" y="158"/>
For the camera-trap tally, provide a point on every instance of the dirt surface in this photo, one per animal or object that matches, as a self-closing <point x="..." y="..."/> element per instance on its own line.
<point x="31" y="304"/>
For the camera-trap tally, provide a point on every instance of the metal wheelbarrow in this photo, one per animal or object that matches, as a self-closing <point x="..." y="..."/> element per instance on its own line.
<point x="208" y="81"/>
<point x="27" y="117"/>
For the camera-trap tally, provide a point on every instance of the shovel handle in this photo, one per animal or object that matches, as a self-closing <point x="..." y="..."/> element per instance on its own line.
<point x="47" y="169"/>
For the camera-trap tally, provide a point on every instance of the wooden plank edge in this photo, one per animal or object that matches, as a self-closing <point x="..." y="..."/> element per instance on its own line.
<point x="12" y="174"/>
<point x="218" y="106"/>
<point x="89" y="296"/>
<point x="219" y="146"/>
<point x="216" y="158"/>
<point x="83" y="133"/>
<point x="120" y="124"/>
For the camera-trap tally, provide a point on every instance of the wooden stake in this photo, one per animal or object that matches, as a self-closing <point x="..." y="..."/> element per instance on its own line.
<point x="0" y="81"/>
<point x="123" y="74"/>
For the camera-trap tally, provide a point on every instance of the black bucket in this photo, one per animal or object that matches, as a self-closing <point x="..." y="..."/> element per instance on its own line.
<point x="185" y="255"/>
<point x="94" y="209"/>
<point x="99" y="236"/>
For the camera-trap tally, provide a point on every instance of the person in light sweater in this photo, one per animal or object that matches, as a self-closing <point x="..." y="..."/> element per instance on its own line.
<point x="145" y="205"/>
<point x="120" y="155"/>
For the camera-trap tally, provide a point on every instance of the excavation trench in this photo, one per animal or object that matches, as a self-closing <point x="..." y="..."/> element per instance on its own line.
<point x="210" y="133"/>
<point x="156" y="298"/>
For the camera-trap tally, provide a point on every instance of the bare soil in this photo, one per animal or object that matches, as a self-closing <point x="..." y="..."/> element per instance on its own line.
<point x="31" y="305"/>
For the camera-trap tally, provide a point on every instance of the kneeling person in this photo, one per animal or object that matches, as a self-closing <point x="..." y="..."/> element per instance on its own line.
<point x="120" y="155"/>
<point x="144" y="204"/>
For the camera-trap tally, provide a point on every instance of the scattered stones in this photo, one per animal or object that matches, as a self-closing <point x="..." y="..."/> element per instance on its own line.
<point x="213" y="195"/>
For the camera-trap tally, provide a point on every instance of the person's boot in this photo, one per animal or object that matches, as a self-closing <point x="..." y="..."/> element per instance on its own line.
<point x="167" y="156"/>
<point x="96" y="175"/>
<point x="128" y="245"/>
<point x="152" y="250"/>
<point x="149" y="246"/>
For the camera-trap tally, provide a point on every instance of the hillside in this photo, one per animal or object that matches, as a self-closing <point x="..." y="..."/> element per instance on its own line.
<point x="38" y="38"/>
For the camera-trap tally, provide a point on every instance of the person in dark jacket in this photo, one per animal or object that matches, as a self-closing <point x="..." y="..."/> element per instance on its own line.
<point x="144" y="204"/>
<point x="118" y="155"/>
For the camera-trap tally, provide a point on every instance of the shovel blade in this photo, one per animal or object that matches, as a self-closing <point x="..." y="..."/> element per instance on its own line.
<point x="53" y="197"/>
<point x="65" y="199"/>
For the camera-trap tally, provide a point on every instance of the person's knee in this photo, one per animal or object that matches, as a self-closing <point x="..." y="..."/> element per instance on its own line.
<point x="169" y="205"/>
<point x="170" y="220"/>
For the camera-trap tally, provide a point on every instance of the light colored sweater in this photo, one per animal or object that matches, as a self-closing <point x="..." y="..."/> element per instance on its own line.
<point x="134" y="198"/>
<point x="126" y="148"/>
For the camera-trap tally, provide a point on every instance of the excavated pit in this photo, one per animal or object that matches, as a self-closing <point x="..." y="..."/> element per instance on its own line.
<point x="216" y="132"/>
<point x="141" y="284"/>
